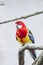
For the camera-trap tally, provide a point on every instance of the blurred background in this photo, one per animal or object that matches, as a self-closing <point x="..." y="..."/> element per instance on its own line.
<point x="9" y="47"/>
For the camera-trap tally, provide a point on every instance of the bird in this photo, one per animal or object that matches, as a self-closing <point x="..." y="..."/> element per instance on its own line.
<point x="24" y="35"/>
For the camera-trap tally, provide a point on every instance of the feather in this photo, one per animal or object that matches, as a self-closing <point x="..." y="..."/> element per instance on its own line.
<point x="31" y="36"/>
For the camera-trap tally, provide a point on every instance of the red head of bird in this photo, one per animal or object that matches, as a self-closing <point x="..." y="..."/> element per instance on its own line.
<point x="21" y="29"/>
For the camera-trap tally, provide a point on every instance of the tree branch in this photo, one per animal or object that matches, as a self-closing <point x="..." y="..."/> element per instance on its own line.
<point x="39" y="60"/>
<point x="22" y="17"/>
<point x="31" y="45"/>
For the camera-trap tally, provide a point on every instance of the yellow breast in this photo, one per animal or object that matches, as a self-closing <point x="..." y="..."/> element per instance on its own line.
<point x="24" y="40"/>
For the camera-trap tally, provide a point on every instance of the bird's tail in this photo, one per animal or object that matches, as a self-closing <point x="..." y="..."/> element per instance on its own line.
<point x="33" y="54"/>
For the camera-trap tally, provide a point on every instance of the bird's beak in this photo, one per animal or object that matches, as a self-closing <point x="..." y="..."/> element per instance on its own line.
<point x="17" y="26"/>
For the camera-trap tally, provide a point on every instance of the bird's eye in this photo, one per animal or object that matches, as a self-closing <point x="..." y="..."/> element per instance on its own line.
<point x="19" y="26"/>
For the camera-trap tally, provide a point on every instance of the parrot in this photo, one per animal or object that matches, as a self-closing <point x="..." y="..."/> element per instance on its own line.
<point x="24" y="35"/>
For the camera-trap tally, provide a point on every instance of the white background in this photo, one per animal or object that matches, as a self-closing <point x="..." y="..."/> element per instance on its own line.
<point x="9" y="47"/>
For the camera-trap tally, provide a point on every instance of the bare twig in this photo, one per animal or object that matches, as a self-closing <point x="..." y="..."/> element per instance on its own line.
<point x="22" y="17"/>
<point x="2" y="4"/>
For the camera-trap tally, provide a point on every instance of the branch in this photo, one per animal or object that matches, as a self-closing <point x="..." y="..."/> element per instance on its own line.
<point x="2" y="4"/>
<point x="22" y="17"/>
<point x="31" y="45"/>
<point x="39" y="60"/>
<point x="21" y="58"/>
